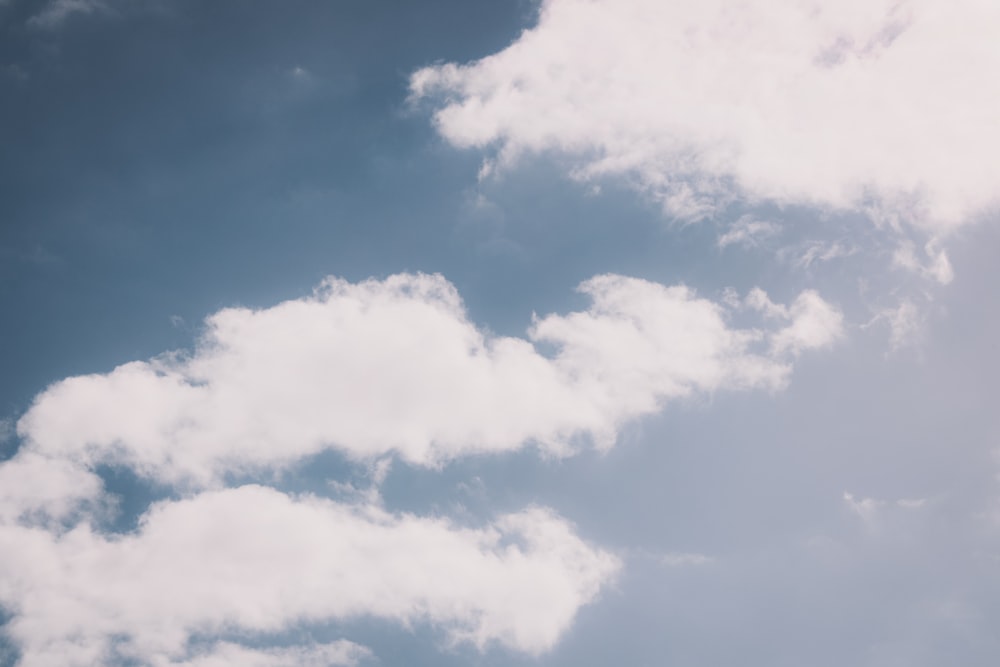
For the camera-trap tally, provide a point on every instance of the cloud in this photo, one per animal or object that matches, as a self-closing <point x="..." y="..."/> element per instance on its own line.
<point x="905" y="321"/>
<point x="57" y="11"/>
<point x="872" y="511"/>
<point x="376" y="370"/>
<point x="865" y="508"/>
<point x="227" y="654"/>
<point x="936" y="265"/>
<point x="254" y="560"/>
<point x="880" y="106"/>
<point x="819" y="251"/>
<point x="44" y="489"/>
<point x="394" y="367"/>
<point x="814" y="323"/>
<point x="747" y="232"/>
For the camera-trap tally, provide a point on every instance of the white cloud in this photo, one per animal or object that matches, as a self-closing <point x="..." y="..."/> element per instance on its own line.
<point x="884" y="106"/>
<point x="866" y="508"/>
<point x="905" y="322"/>
<point x="44" y="489"/>
<point x="227" y="654"/>
<point x="757" y="299"/>
<point x="936" y="264"/>
<point x="395" y="367"/>
<point x="814" y="324"/>
<point x="820" y="251"/>
<point x="873" y="511"/>
<point x="747" y="232"/>
<point x="254" y="560"/>
<point x="376" y="369"/>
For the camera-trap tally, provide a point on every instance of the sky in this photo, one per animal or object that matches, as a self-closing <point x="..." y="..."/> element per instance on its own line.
<point x="519" y="332"/>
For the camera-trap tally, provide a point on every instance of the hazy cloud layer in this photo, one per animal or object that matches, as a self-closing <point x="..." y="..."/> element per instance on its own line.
<point x="395" y="366"/>
<point x="883" y="106"/>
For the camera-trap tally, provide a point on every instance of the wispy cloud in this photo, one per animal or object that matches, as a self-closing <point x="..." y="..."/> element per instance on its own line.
<point x="935" y="263"/>
<point x="872" y="511"/>
<point x="820" y="251"/>
<point x="748" y="232"/>
<point x="905" y="320"/>
<point x="57" y="11"/>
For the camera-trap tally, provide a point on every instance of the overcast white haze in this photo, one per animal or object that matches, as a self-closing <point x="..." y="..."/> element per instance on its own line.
<point x="558" y="332"/>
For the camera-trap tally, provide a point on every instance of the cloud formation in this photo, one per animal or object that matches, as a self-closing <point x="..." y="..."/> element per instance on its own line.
<point x="372" y="369"/>
<point x="252" y="559"/>
<point x="747" y="232"/>
<point x="395" y="367"/>
<point x="882" y="106"/>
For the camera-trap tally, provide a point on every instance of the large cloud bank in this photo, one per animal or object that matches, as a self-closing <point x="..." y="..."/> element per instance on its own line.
<point x="373" y="369"/>
<point x="887" y="106"/>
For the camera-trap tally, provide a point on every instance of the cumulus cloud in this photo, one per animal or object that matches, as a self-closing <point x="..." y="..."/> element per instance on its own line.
<point x="394" y="367"/>
<point x="37" y="488"/>
<point x="377" y="369"/>
<point x="882" y="106"/>
<point x="253" y="559"/>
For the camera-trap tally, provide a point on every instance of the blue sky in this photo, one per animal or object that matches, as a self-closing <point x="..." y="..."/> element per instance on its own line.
<point x="498" y="333"/>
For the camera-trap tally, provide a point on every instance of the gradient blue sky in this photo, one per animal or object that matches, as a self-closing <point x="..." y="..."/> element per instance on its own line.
<point x="166" y="160"/>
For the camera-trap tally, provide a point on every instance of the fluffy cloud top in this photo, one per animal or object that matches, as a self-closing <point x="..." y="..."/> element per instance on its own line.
<point x="885" y="105"/>
<point x="254" y="559"/>
<point x="395" y="367"/>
